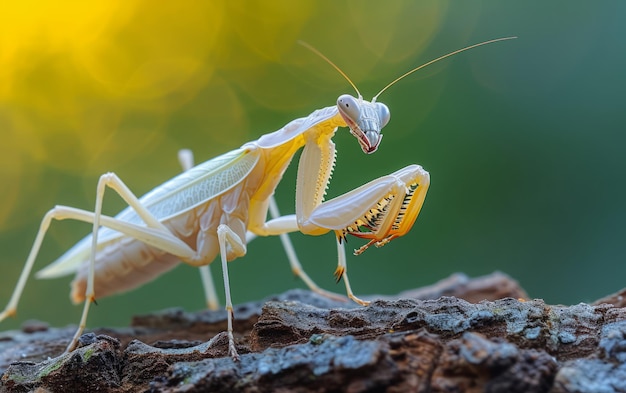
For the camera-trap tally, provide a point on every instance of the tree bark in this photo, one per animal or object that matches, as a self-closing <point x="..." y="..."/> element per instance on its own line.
<point x="459" y="335"/>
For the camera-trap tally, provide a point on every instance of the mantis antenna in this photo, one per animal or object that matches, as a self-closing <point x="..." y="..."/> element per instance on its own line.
<point x="437" y="59"/>
<point x="320" y="54"/>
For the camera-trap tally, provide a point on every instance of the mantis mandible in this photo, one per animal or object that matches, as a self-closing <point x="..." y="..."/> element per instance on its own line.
<point x="218" y="206"/>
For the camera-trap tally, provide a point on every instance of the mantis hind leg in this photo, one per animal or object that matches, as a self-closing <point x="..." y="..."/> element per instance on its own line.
<point x="58" y="213"/>
<point x="155" y="234"/>
<point x="152" y="236"/>
<point x="11" y="308"/>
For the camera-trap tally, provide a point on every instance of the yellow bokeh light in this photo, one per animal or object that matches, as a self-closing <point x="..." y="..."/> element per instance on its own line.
<point x="91" y="87"/>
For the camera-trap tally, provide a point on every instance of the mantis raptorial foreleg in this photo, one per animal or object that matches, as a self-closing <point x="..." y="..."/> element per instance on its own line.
<point x="386" y="206"/>
<point x="380" y="210"/>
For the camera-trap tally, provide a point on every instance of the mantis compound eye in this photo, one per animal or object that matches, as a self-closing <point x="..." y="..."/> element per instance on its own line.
<point x="349" y="108"/>
<point x="383" y="114"/>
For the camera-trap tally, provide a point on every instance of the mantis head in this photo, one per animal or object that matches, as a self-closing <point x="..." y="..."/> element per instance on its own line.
<point x="365" y="120"/>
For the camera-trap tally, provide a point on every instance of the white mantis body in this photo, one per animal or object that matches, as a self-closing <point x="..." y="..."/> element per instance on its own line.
<point x="216" y="207"/>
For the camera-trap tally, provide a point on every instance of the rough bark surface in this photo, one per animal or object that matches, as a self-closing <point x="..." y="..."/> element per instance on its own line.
<point x="459" y="335"/>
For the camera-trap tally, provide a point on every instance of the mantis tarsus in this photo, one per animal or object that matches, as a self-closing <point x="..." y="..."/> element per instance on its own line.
<point x="218" y="206"/>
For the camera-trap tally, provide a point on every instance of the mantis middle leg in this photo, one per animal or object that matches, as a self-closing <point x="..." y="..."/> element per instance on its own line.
<point x="186" y="159"/>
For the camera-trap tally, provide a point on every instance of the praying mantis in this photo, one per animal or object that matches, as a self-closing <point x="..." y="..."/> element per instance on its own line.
<point x="217" y="207"/>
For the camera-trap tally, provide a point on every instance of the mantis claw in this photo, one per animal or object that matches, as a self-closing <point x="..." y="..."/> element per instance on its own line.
<point x="362" y="302"/>
<point x="339" y="273"/>
<point x="8" y="313"/>
<point x="232" y="351"/>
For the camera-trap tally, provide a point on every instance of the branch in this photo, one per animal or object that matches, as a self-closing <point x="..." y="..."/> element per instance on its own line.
<point x="298" y="341"/>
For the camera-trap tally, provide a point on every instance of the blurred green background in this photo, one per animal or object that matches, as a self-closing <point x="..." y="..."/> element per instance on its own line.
<point x="524" y="139"/>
